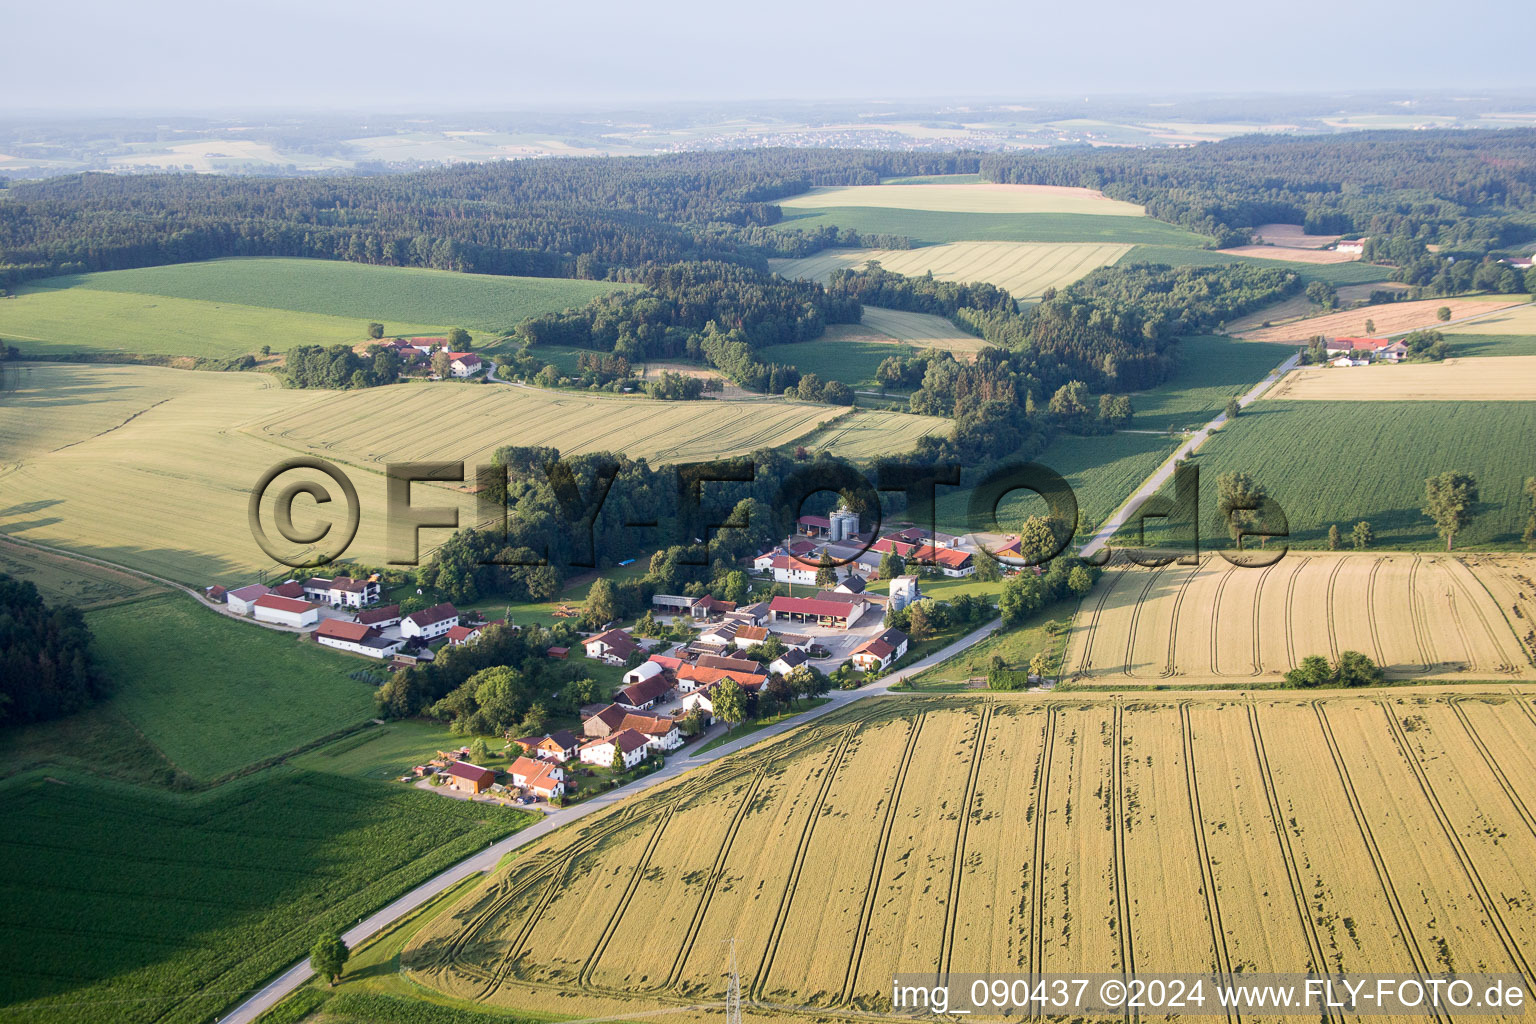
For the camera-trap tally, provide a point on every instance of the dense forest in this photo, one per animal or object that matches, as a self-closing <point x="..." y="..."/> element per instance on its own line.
<point x="46" y="669"/>
<point x="601" y="217"/>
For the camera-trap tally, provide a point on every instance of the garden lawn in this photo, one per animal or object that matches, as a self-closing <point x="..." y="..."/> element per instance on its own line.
<point x="215" y="695"/>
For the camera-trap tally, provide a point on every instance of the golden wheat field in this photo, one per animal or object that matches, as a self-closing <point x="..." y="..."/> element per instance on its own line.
<point x="1289" y="255"/>
<point x="920" y="330"/>
<point x="980" y="197"/>
<point x="152" y="468"/>
<point x="1371" y="832"/>
<point x="1025" y="269"/>
<point x="1418" y="616"/>
<point x="1515" y="320"/>
<point x="1490" y="379"/>
<point x="1388" y="318"/>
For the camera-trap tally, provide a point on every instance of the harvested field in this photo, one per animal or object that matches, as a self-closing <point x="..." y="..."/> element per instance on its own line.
<point x="1291" y="236"/>
<point x="1025" y="269"/>
<point x="1377" y="832"/>
<point x="1389" y="318"/>
<point x="921" y="330"/>
<point x="1298" y="306"/>
<point x="1516" y="320"/>
<point x="1494" y="379"/>
<point x="1418" y="616"/>
<point x="870" y="433"/>
<point x="1278" y="252"/>
<point x="973" y="198"/>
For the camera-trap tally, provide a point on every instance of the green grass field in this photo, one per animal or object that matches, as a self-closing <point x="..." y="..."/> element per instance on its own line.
<point x="1015" y="646"/>
<point x="358" y="291"/>
<point x="1473" y="345"/>
<point x="852" y="360"/>
<point x="1341" y="462"/>
<point x="932" y="226"/>
<point x="171" y="907"/>
<point x="216" y="695"/>
<point x="1102" y="471"/>
<point x="1177" y="255"/>
<point x="1211" y="370"/>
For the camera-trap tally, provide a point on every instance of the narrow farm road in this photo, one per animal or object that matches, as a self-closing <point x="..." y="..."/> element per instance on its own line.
<point x="1163" y="473"/>
<point x="281" y="986"/>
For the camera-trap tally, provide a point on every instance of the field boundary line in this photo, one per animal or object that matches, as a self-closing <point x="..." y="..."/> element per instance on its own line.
<point x="1378" y="862"/>
<point x="1037" y="860"/>
<point x="1287" y="853"/>
<point x="1468" y="864"/>
<point x="957" y="860"/>
<point x="877" y="862"/>
<point x="1219" y="951"/>
<point x="787" y="897"/>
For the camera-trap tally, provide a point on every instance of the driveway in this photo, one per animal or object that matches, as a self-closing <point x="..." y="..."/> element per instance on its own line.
<point x="485" y="861"/>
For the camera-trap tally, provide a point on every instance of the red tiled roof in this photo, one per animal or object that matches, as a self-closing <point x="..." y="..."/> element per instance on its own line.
<point x="734" y="664"/>
<point x="943" y="556"/>
<point x="437" y="613"/>
<point x="283" y="604"/>
<point x="379" y="614"/>
<point x="248" y="592"/>
<point x="645" y="691"/>
<point x="337" y="629"/>
<point x="294" y="590"/>
<point x="472" y="772"/>
<point x="707" y="676"/>
<point x="821" y="521"/>
<point x="459" y="634"/>
<point x="752" y="633"/>
<point x="889" y="545"/>
<point x="812" y="606"/>
<point x="619" y="642"/>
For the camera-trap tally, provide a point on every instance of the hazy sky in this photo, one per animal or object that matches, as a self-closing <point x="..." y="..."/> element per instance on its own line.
<point x="169" y="55"/>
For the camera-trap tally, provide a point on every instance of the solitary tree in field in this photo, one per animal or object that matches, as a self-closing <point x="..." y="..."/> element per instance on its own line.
<point x="1361" y="535"/>
<point x="1370" y="327"/>
<point x="1449" y="500"/>
<point x="1238" y="497"/>
<point x="826" y="573"/>
<point x="328" y="956"/>
<point x="1233" y="410"/>
<point x="375" y="331"/>
<point x="1443" y="314"/>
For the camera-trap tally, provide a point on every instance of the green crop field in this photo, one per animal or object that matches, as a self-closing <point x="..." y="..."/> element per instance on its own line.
<point x="933" y="226"/>
<point x="232" y="694"/>
<point x="850" y="355"/>
<point x="1177" y="255"/>
<point x="1341" y="462"/>
<point x="1475" y="345"/>
<point x="1102" y="472"/>
<point x="1211" y="370"/>
<point x="171" y="907"/>
<point x="395" y="296"/>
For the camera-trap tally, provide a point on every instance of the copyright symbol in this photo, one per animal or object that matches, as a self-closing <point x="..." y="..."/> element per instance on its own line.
<point x="1112" y="992"/>
<point x="310" y="554"/>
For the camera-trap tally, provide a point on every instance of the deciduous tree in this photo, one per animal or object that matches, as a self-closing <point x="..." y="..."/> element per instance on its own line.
<point x="1450" y="499"/>
<point x="328" y="956"/>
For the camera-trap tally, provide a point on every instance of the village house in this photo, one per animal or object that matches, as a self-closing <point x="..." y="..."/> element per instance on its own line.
<point x="692" y="677"/>
<point x="787" y="662"/>
<point x="464" y="364"/>
<point x="285" y="611"/>
<point x="605" y="722"/>
<point x="241" y="601"/>
<point x="789" y="569"/>
<point x="748" y="637"/>
<point x="215" y="594"/>
<point x="343" y="591"/>
<point x="949" y="561"/>
<point x="722" y="635"/>
<point x="293" y="590"/>
<point x="744" y="665"/>
<point x="541" y="777"/>
<point x="918" y="537"/>
<point x="357" y="638"/>
<point x="644" y="694"/>
<point x="893" y="545"/>
<point x="380" y="618"/>
<point x="459" y="635"/>
<point x="429" y="623"/>
<point x="631" y="745"/>
<point x="612" y="646"/>
<point x="660" y="732"/>
<point x="559" y="746"/>
<point x="469" y="778"/>
<point x="851" y="585"/>
<point x="879" y="652"/>
<point x="702" y="699"/>
<point x="749" y="615"/>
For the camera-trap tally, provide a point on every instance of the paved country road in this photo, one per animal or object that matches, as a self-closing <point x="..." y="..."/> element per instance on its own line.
<point x="1162" y="474"/>
<point x="486" y="860"/>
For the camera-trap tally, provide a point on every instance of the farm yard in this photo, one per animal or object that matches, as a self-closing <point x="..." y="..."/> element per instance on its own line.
<point x="1215" y="624"/>
<point x="1389" y="318"/>
<point x="854" y="847"/>
<point x="1025" y="269"/>
<point x="1341" y="462"/>
<point x="1492" y="379"/>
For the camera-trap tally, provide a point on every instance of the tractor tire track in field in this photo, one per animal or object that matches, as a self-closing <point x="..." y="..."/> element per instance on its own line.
<point x="1222" y="967"/>
<point x="1130" y="633"/>
<point x="1121" y="881"/>
<point x="813" y="815"/>
<point x="1331" y="614"/>
<point x="1290" y="613"/>
<point x="1493" y="766"/>
<point x="1287" y="854"/>
<point x="1370" y="609"/>
<point x="1216" y="619"/>
<point x="1172" y="668"/>
<point x="1378" y="863"/>
<point x="1482" y="617"/>
<point x="1085" y="661"/>
<point x="584" y="976"/>
<point x="957" y="861"/>
<point x="716" y="872"/>
<point x="1258" y="617"/>
<point x="877" y="863"/>
<point x="1037" y="862"/>
<point x="1417" y="616"/>
<point x="1468" y="865"/>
